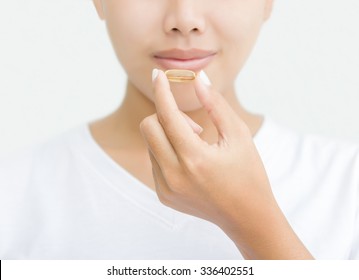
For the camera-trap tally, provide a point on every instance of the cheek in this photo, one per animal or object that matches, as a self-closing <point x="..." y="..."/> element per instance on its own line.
<point x="238" y="35"/>
<point x="129" y="24"/>
<point x="128" y="39"/>
<point x="124" y="37"/>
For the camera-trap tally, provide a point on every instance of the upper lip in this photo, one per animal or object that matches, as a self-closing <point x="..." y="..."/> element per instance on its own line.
<point x="183" y="54"/>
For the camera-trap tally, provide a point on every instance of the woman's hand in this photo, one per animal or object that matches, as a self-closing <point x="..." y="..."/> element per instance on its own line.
<point x="225" y="182"/>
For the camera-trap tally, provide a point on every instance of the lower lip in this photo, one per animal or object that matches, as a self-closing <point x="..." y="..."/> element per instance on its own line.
<point x="195" y="65"/>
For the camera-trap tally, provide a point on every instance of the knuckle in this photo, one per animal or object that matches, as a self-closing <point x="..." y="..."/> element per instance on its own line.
<point x="147" y="123"/>
<point x="161" y="117"/>
<point x="196" y="165"/>
<point x="166" y="117"/>
<point x="149" y="128"/>
<point x="177" y="184"/>
<point x="164" y="197"/>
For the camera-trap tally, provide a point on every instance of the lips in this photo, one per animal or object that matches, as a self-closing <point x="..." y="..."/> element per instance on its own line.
<point x="193" y="59"/>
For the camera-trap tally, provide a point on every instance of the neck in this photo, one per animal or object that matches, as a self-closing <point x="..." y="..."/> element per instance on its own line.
<point x="120" y="130"/>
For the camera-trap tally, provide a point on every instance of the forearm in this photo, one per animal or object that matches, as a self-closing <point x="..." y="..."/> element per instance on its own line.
<point x="265" y="234"/>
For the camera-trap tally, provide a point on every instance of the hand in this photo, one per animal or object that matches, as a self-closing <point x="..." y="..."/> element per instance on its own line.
<point x="225" y="182"/>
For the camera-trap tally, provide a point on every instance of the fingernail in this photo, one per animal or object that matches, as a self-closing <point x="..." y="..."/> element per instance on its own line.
<point x="154" y="74"/>
<point x="199" y="130"/>
<point x="195" y="126"/>
<point x="204" y="78"/>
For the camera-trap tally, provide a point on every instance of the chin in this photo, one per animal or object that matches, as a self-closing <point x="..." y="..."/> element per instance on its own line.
<point x="186" y="108"/>
<point x="185" y="97"/>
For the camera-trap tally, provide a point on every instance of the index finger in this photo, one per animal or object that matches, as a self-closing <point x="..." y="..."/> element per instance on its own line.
<point x="177" y="130"/>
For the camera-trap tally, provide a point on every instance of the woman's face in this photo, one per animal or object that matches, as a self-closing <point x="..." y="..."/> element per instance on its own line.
<point x="216" y="36"/>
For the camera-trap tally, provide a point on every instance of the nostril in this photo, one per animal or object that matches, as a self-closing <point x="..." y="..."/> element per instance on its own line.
<point x="175" y="29"/>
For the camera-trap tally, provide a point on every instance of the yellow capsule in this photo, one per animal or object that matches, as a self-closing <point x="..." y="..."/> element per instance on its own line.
<point x="180" y="75"/>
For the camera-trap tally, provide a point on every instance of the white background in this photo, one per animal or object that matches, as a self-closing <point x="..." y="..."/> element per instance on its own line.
<point x="58" y="69"/>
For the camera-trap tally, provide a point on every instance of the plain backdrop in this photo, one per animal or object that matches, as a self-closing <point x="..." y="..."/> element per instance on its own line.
<point x="58" y="69"/>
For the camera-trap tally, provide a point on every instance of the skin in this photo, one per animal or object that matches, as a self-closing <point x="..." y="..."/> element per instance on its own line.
<point x="185" y="141"/>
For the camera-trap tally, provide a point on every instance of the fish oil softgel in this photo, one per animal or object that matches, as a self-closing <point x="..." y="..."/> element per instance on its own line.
<point x="180" y="75"/>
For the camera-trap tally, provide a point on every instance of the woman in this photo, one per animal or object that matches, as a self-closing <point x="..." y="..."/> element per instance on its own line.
<point x="96" y="191"/>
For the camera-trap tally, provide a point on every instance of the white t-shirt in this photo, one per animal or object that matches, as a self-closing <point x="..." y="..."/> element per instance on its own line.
<point x="67" y="199"/>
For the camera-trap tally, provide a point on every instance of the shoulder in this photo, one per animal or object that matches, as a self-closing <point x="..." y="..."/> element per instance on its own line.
<point x="38" y="175"/>
<point x="307" y="165"/>
<point x="283" y="145"/>
<point x="18" y="168"/>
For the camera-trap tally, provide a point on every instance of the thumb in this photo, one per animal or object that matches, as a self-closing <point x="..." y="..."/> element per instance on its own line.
<point x="221" y="113"/>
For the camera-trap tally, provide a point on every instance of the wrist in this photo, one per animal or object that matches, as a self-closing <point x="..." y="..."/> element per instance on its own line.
<point x="263" y="232"/>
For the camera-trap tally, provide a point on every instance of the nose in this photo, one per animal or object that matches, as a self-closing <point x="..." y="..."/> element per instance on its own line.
<point x="184" y="17"/>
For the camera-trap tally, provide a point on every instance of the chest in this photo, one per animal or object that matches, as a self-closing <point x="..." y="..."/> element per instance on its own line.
<point x="137" y="163"/>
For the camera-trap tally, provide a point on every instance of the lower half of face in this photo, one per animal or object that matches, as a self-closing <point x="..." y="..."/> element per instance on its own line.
<point x="213" y="35"/>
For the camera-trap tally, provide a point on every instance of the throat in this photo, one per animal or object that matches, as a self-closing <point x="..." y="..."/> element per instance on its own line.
<point x="136" y="163"/>
<point x="125" y="146"/>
